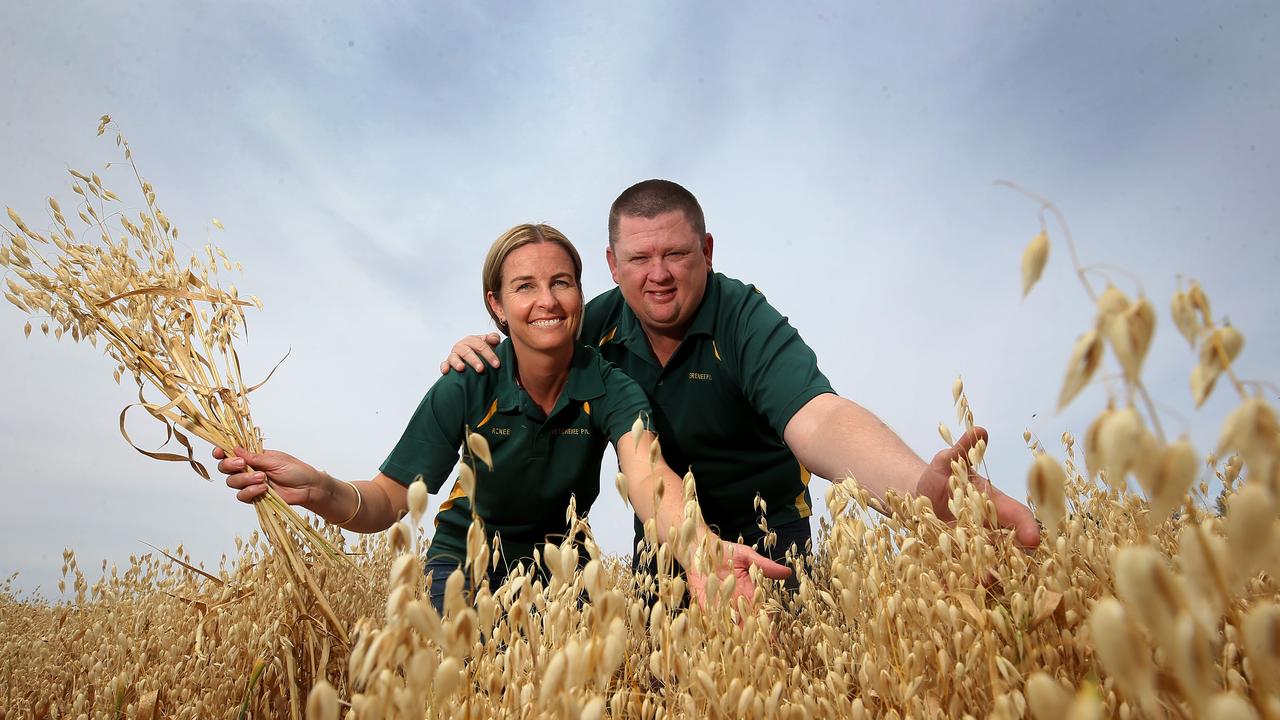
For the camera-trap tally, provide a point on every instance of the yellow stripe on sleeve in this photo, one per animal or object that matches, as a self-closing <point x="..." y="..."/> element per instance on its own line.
<point x="458" y="492"/>
<point x="802" y="507"/>
<point x="492" y="409"/>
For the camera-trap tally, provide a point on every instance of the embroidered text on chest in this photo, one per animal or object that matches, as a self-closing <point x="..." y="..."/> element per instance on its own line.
<point x="699" y="376"/>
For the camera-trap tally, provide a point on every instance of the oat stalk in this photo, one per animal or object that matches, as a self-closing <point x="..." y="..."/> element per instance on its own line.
<point x="168" y="324"/>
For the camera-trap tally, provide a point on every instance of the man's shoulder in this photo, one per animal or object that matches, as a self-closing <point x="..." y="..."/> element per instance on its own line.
<point x="608" y="301"/>
<point x="735" y="291"/>
<point x="602" y="314"/>
<point x="740" y="306"/>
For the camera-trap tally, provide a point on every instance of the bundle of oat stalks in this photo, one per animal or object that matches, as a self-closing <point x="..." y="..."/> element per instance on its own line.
<point x="167" y="324"/>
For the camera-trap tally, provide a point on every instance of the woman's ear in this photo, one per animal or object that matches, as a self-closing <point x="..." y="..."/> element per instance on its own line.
<point x="496" y="307"/>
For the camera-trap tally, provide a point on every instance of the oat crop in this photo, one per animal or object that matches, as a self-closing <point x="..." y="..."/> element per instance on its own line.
<point x="1145" y="599"/>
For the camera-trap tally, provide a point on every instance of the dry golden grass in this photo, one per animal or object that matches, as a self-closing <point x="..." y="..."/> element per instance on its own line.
<point x="1147" y="604"/>
<point x="169" y="325"/>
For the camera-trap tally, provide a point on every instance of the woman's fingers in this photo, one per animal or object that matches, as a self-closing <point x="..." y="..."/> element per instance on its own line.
<point x="230" y="465"/>
<point x="252" y="493"/>
<point x="240" y="481"/>
<point x="769" y="568"/>
<point x="251" y="485"/>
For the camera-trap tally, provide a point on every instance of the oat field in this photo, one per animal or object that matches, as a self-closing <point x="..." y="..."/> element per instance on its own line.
<point x="1149" y="597"/>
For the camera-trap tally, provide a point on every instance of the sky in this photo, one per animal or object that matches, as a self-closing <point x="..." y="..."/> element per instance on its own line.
<point x="363" y="157"/>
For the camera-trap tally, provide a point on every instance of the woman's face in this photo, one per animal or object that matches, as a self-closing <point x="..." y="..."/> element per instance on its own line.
<point x="539" y="298"/>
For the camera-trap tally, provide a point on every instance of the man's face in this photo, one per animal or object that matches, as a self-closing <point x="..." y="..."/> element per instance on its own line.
<point x="661" y="265"/>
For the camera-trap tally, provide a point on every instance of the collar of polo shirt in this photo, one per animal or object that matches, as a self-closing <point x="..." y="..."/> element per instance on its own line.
<point x="581" y="386"/>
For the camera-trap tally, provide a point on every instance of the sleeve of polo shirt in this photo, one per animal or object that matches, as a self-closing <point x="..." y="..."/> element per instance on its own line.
<point x="778" y="370"/>
<point x="622" y="402"/>
<point x="430" y="443"/>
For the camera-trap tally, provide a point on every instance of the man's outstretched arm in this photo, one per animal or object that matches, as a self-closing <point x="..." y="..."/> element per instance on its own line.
<point x="834" y="437"/>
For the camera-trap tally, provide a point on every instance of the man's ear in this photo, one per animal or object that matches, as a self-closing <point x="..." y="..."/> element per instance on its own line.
<point x="612" y="260"/>
<point x="708" y="243"/>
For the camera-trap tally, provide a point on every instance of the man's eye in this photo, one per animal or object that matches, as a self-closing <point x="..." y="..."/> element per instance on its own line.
<point x="562" y="283"/>
<point x="524" y="286"/>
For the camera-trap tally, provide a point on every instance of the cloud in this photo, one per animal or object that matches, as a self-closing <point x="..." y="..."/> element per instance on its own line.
<point x="363" y="158"/>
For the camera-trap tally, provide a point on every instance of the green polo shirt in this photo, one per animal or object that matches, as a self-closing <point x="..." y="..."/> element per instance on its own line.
<point x="538" y="459"/>
<point x="723" y="400"/>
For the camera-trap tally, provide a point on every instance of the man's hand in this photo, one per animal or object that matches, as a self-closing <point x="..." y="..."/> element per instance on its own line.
<point x="736" y="563"/>
<point x="297" y="482"/>
<point x="1009" y="512"/>
<point x="473" y="350"/>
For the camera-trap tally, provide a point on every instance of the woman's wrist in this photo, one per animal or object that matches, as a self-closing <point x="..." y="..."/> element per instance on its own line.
<point x="359" y="504"/>
<point x="337" y="501"/>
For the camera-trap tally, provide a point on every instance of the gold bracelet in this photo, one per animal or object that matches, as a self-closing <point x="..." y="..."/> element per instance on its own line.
<point x="359" y="503"/>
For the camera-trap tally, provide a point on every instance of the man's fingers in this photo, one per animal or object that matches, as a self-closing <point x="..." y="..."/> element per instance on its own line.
<point x="489" y="356"/>
<point x="942" y="461"/>
<point x="1012" y="514"/>
<point x="465" y="356"/>
<point x="472" y="351"/>
<point x="479" y="348"/>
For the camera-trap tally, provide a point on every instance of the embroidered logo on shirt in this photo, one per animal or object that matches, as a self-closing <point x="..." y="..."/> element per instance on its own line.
<point x="699" y="376"/>
<point x="499" y="431"/>
<point x="572" y="431"/>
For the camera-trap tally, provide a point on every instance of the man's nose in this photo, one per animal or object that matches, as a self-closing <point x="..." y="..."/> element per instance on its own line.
<point x="659" y="272"/>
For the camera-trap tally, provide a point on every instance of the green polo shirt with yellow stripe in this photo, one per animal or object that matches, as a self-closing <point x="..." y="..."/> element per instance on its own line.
<point x="723" y="400"/>
<point x="538" y="459"/>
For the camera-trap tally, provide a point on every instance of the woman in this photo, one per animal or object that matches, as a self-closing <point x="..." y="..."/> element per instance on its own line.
<point x="547" y="415"/>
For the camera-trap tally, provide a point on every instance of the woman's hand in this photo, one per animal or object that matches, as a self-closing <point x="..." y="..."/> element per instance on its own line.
<point x="736" y="563"/>
<point x="296" y="482"/>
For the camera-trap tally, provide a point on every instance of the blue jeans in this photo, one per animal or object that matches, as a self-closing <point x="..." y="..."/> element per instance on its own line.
<point x="440" y="568"/>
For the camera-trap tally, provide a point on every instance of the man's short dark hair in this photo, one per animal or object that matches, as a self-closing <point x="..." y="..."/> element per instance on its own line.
<point x="651" y="198"/>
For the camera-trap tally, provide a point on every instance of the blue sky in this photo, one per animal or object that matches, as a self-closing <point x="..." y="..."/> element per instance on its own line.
<point x="362" y="158"/>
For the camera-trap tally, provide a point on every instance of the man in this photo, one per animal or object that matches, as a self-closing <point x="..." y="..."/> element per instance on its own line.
<point x="737" y="394"/>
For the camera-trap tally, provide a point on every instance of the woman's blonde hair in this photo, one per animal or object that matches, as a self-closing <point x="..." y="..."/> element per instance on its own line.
<point x="518" y="237"/>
